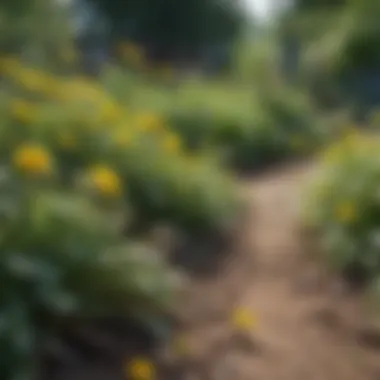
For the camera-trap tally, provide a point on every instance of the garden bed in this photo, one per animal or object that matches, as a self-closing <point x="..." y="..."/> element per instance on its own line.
<point x="104" y="349"/>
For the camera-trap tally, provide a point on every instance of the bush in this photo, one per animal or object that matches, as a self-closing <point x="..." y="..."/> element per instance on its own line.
<point x="63" y="257"/>
<point x="250" y="131"/>
<point x="344" y="207"/>
<point x="93" y="135"/>
<point x="244" y="125"/>
<point x="78" y="168"/>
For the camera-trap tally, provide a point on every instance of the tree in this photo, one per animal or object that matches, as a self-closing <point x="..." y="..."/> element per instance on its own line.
<point x="339" y="47"/>
<point x="170" y="28"/>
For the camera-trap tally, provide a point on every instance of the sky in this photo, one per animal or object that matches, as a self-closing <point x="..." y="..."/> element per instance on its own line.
<point x="259" y="8"/>
<point x="264" y="9"/>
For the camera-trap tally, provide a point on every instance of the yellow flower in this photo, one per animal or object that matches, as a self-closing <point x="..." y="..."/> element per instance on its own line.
<point x="148" y="122"/>
<point x="106" y="180"/>
<point x="140" y="369"/>
<point x="172" y="143"/>
<point x="243" y="319"/>
<point x="32" y="159"/>
<point x="23" y="111"/>
<point x="346" y="212"/>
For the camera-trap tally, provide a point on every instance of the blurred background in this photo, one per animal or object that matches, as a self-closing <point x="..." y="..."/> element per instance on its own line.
<point x="125" y="129"/>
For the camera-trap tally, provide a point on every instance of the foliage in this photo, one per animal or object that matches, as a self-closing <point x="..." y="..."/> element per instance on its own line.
<point x="140" y="157"/>
<point x="344" y="205"/>
<point x="338" y="45"/>
<point x="250" y="130"/>
<point x="78" y="168"/>
<point x="242" y="125"/>
<point x="62" y="256"/>
<point x="172" y="28"/>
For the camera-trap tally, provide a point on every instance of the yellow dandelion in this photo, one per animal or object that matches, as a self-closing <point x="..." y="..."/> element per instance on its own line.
<point x="140" y="369"/>
<point x="23" y="111"/>
<point x="105" y="180"/>
<point x="346" y="212"/>
<point x="243" y="319"/>
<point x="172" y="143"/>
<point x="32" y="159"/>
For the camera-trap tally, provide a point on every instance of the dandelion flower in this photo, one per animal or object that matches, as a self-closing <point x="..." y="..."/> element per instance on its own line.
<point x="346" y="212"/>
<point x="32" y="159"/>
<point x="140" y="369"/>
<point x="105" y="180"/>
<point x="243" y="319"/>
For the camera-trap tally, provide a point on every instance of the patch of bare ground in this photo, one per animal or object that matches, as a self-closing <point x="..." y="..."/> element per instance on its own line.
<point x="309" y="325"/>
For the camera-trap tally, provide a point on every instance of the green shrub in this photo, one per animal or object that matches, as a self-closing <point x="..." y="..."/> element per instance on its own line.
<point x="62" y="257"/>
<point x="344" y="207"/>
<point x="189" y="192"/>
<point x="86" y="130"/>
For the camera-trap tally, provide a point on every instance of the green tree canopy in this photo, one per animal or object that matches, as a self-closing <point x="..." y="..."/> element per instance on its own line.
<point x="172" y="27"/>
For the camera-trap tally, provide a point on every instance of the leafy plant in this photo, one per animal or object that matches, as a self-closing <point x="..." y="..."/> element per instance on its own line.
<point x="344" y="206"/>
<point x="62" y="257"/>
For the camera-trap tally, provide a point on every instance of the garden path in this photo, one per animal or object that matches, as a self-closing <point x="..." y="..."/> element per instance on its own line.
<point x="309" y="325"/>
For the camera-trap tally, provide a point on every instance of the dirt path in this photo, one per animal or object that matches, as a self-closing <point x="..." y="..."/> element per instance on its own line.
<point x="308" y="327"/>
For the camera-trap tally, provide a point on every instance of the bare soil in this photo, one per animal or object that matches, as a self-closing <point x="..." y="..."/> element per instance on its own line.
<point x="310" y="326"/>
